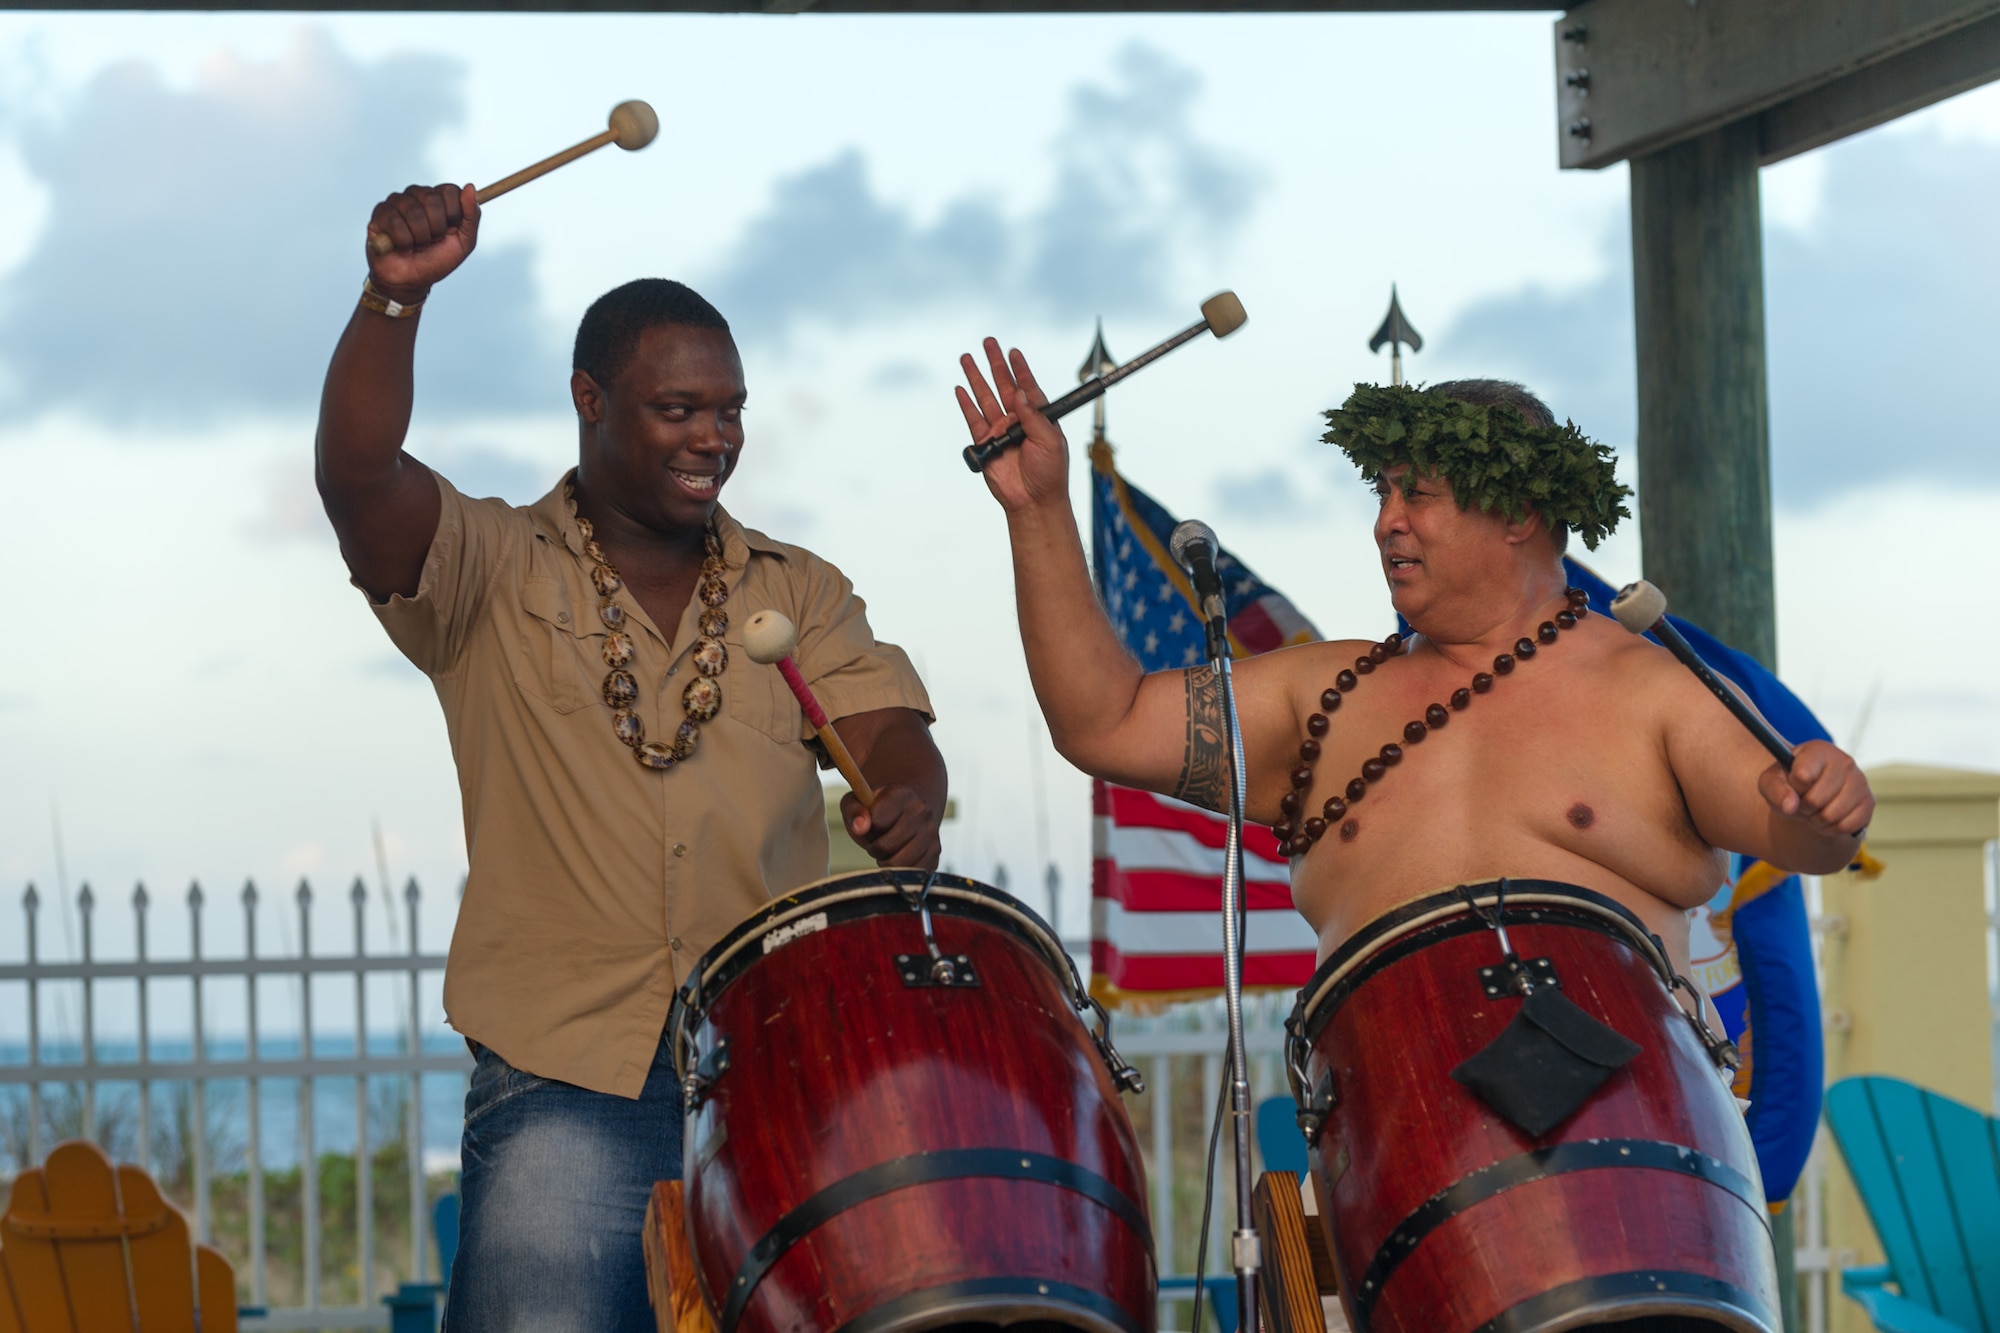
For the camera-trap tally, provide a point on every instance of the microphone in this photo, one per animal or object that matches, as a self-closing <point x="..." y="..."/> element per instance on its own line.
<point x="1194" y="547"/>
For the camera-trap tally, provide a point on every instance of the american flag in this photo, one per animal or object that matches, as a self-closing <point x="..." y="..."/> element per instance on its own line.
<point x="1156" y="867"/>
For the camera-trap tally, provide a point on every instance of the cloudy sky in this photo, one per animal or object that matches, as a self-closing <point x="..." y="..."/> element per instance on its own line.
<point x="192" y="689"/>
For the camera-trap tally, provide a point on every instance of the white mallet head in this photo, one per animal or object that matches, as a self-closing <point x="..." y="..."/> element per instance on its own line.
<point x="769" y="636"/>
<point x="1224" y="314"/>
<point x="1639" y="606"/>
<point x="635" y="124"/>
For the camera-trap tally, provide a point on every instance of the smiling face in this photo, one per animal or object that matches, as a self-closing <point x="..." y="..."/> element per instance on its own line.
<point x="1450" y="569"/>
<point x="660" y="440"/>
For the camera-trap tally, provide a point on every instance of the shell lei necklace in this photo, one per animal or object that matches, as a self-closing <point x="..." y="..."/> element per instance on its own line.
<point x="1296" y="836"/>
<point x="702" y="698"/>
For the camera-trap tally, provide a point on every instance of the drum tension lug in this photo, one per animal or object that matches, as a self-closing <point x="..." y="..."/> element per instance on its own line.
<point x="1517" y="977"/>
<point x="1312" y="1117"/>
<point x="712" y="1067"/>
<point x="946" y="972"/>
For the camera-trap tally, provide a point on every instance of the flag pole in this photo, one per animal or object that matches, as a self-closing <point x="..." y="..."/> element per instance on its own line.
<point x="1097" y="363"/>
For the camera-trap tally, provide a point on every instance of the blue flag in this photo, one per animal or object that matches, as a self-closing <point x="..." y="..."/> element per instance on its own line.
<point x="1751" y="946"/>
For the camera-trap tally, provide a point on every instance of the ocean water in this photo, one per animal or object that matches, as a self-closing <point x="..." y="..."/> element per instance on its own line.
<point x="282" y="1135"/>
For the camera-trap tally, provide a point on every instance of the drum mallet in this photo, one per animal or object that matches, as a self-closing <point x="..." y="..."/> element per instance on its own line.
<point x="632" y="126"/>
<point x="1221" y="314"/>
<point x="769" y="637"/>
<point x="1642" y="608"/>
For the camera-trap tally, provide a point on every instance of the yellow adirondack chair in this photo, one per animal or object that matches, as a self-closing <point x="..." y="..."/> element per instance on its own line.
<point x="84" y="1247"/>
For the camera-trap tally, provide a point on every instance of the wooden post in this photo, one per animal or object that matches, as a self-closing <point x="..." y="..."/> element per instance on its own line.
<point x="1905" y="961"/>
<point x="1704" y="416"/>
<point x="1704" y="423"/>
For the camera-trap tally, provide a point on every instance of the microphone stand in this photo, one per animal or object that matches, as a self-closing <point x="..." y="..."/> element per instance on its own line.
<point x="1245" y="1251"/>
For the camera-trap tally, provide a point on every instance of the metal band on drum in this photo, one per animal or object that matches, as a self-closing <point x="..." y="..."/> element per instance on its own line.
<point x="1594" y="1302"/>
<point x="1542" y="1164"/>
<point x="905" y="1173"/>
<point x="999" y="1301"/>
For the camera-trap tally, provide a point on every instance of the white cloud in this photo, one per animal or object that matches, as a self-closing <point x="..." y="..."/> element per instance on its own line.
<point x="1135" y="188"/>
<point x="198" y="245"/>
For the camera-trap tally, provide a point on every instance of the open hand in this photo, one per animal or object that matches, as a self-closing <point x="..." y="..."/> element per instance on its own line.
<point x="1037" y="470"/>
<point x="432" y="228"/>
<point x="1825" y="788"/>
<point x="902" y="829"/>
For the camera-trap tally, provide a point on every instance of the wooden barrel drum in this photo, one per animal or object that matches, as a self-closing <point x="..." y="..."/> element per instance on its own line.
<point x="883" y="1139"/>
<point x="1642" y="1211"/>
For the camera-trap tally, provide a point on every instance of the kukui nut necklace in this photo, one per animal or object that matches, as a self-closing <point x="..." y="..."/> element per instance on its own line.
<point x="1297" y="837"/>
<point x="702" y="698"/>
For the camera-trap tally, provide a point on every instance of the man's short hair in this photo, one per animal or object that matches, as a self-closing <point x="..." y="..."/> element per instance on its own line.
<point x="610" y="331"/>
<point x="1494" y="393"/>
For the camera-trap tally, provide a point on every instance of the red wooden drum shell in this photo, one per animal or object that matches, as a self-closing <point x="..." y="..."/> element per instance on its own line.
<point x="1442" y="1217"/>
<point x="879" y="1157"/>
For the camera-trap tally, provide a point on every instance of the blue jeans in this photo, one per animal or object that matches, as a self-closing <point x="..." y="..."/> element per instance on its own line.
<point x="553" y="1198"/>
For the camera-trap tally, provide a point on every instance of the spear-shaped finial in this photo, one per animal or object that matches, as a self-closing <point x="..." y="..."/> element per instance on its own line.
<point x="1396" y="331"/>
<point x="1096" y="362"/>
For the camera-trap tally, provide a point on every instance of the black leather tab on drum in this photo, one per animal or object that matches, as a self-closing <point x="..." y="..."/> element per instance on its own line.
<point x="1546" y="1062"/>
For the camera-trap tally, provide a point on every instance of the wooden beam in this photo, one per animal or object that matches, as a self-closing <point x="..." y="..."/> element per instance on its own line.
<point x="788" y="7"/>
<point x="1910" y="81"/>
<point x="1704" y="421"/>
<point x="1635" y="76"/>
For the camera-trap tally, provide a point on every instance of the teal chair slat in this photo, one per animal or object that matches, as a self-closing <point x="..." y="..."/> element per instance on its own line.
<point x="1851" y="1111"/>
<point x="1892" y="1314"/>
<point x="1928" y="1171"/>
<point x="1279" y="1141"/>
<point x="444" y="1224"/>
<point x="1909" y="1118"/>
<point x="1967" y="1145"/>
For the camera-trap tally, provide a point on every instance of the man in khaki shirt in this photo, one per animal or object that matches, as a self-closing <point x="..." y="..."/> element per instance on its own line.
<point x="633" y="783"/>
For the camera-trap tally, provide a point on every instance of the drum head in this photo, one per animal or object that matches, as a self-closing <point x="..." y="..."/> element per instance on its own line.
<point x="851" y="897"/>
<point x="1424" y="921"/>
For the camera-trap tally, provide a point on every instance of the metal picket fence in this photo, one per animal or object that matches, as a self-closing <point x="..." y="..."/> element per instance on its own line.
<point x="81" y="1080"/>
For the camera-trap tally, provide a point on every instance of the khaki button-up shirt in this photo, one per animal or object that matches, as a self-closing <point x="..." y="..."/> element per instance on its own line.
<point x="595" y="884"/>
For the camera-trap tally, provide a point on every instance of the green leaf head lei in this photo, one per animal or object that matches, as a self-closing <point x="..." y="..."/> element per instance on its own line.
<point x="1490" y="456"/>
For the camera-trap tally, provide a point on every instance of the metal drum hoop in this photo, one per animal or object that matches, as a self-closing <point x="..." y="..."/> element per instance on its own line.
<point x="915" y="889"/>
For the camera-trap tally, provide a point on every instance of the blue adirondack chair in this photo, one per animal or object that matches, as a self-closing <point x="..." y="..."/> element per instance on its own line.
<point x="414" y="1306"/>
<point x="1928" y="1169"/>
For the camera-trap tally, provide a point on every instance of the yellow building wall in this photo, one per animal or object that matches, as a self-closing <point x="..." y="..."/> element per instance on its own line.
<point x="1905" y="967"/>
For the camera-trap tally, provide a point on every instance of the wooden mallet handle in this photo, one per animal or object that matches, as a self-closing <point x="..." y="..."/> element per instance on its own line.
<point x="1221" y="314"/>
<point x="632" y="126"/>
<point x="770" y="637"/>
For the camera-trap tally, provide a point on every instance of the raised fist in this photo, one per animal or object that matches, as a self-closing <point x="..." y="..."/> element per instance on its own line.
<point x="430" y="230"/>
<point x="1824" y="787"/>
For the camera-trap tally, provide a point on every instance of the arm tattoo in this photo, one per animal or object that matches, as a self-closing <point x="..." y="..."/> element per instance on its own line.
<point x="1205" y="763"/>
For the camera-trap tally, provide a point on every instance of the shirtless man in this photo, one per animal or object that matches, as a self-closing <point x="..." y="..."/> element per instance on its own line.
<point x="1601" y="762"/>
